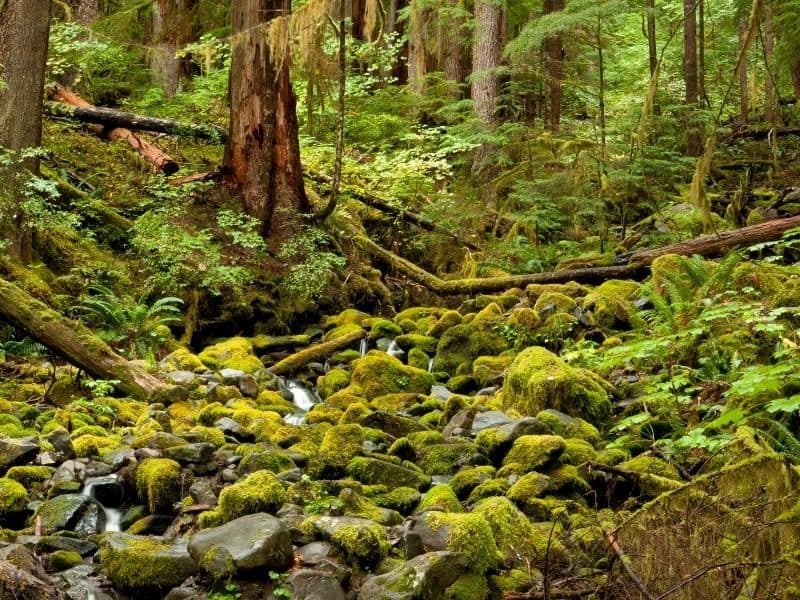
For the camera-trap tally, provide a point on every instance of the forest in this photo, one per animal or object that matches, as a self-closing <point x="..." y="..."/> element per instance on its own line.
<point x="399" y="299"/>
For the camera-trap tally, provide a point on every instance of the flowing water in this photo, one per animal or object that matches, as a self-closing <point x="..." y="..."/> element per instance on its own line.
<point x="395" y="350"/>
<point x="363" y="347"/>
<point x="113" y="515"/>
<point x="303" y="399"/>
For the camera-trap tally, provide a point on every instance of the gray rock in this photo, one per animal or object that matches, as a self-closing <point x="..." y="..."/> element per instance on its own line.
<point x="425" y="577"/>
<point x="17" y="451"/>
<point x="186" y="378"/>
<point x="51" y="543"/>
<point x="202" y="492"/>
<point x="191" y="453"/>
<point x="315" y="585"/>
<point x="133" y="514"/>
<point x="74" y="512"/>
<point x="441" y="392"/>
<point x="230" y="427"/>
<point x="165" y="563"/>
<point x="489" y="418"/>
<point x="250" y="542"/>
<point x="461" y="422"/>
<point x="62" y="442"/>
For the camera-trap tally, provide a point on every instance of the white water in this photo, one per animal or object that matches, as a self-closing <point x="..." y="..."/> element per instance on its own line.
<point x="395" y="350"/>
<point x="303" y="399"/>
<point x="362" y="348"/>
<point x="113" y="515"/>
<point x="430" y="365"/>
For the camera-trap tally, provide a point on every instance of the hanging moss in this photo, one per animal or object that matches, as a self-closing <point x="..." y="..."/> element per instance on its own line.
<point x="160" y="483"/>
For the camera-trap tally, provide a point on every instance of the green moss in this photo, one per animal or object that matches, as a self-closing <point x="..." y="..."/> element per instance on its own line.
<point x="258" y="492"/>
<point x="418" y="359"/>
<point x="159" y="483"/>
<point x="462" y="344"/>
<point x="524" y="322"/>
<point x="534" y="452"/>
<point x="61" y="560"/>
<point x="449" y="319"/>
<point x="355" y="505"/>
<point x="378" y="374"/>
<point x="578" y="452"/>
<point x="569" y="427"/>
<point x="93" y="445"/>
<point x="372" y="470"/>
<point x="364" y="544"/>
<point x="383" y="328"/>
<point x="538" y="379"/>
<point x="651" y="465"/>
<point x="611" y="307"/>
<point x="403" y="499"/>
<point x="488" y="489"/>
<point x="210" y="518"/>
<point x="445" y="459"/>
<point x="339" y="445"/>
<point x="142" y="563"/>
<point x="333" y="381"/>
<point x="234" y="353"/>
<point x="350" y="316"/>
<point x="517" y="539"/>
<point x="488" y="370"/>
<point x="211" y="435"/>
<point x="470" y="534"/>
<point x="529" y="486"/>
<point x="13" y="496"/>
<point x="182" y="359"/>
<point x="409" y="341"/>
<point x="514" y="580"/>
<point x="431" y="419"/>
<point x="566" y="480"/>
<point x="467" y="480"/>
<point x="469" y="586"/>
<point x="555" y="302"/>
<point x="441" y="498"/>
<point x="28" y="475"/>
<point x="342" y="331"/>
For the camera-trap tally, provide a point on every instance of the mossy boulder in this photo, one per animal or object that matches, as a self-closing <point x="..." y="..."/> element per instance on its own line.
<point x="30" y="475"/>
<point x="449" y="319"/>
<point x="360" y="540"/>
<point x="182" y="360"/>
<point x="383" y="328"/>
<point x="409" y="341"/>
<point x="342" y="331"/>
<point x="526" y="488"/>
<point x="462" y="344"/>
<point x="372" y="470"/>
<point x="355" y="505"/>
<point x="339" y="444"/>
<point x="442" y="498"/>
<point x="423" y="577"/>
<point x="94" y="445"/>
<point x="569" y="427"/>
<point x="160" y="483"/>
<point x="467" y="533"/>
<point x="61" y="560"/>
<point x="538" y="379"/>
<point x="333" y="381"/>
<point x="135" y="562"/>
<point x="447" y="458"/>
<point x="534" y="452"/>
<point x="554" y="302"/>
<point x="233" y="353"/>
<point x="13" y="496"/>
<point x="258" y="492"/>
<point x="611" y="304"/>
<point x="378" y="374"/>
<point x="489" y="370"/>
<point x="350" y="316"/>
<point x="468" y="479"/>
<point x="469" y="586"/>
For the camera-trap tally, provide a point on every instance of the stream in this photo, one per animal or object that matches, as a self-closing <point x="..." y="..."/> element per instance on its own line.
<point x="113" y="515"/>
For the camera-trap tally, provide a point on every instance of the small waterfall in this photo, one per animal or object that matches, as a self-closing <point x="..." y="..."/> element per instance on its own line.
<point x="430" y="365"/>
<point x="362" y="348"/>
<point x="395" y="350"/>
<point x="303" y="399"/>
<point x="113" y="515"/>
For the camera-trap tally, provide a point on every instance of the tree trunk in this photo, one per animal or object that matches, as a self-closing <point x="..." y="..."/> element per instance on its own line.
<point x="73" y="341"/>
<point x="701" y="51"/>
<point x="486" y="58"/>
<point x="85" y="12"/>
<point x="652" y="52"/>
<point x="262" y="157"/>
<point x="172" y="27"/>
<point x="769" y="45"/>
<point x="693" y="144"/>
<point x="795" y="69"/>
<point x="417" y="58"/>
<point x="24" y="28"/>
<point x="554" y="70"/>
<point x="394" y="25"/>
<point x="744" y="90"/>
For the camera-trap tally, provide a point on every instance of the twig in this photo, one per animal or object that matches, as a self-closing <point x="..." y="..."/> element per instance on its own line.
<point x="626" y="567"/>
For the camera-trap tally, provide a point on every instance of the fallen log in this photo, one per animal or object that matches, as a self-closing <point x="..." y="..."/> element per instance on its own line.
<point x="388" y="208"/>
<point x="762" y="134"/>
<point x="110" y="118"/>
<point x="297" y="361"/>
<point x="631" y="264"/>
<point x="73" y="341"/>
<point x="155" y="156"/>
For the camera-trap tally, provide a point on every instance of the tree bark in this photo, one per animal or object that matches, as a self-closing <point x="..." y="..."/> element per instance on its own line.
<point x="85" y="12"/>
<point x="652" y="52"/>
<point x="108" y="117"/>
<point x="417" y="56"/>
<point x="24" y="28"/>
<point x="693" y="144"/>
<point x="73" y="341"/>
<point x="172" y="27"/>
<point x="795" y="72"/>
<point x="744" y="90"/>
<point x="769" y="47"/>
<point x="394" y="25"/>
<point x="262" y="157"/>
<point x="553" y="48"/>
<point x="486" y="58"/>
<point x="160" y="160"/>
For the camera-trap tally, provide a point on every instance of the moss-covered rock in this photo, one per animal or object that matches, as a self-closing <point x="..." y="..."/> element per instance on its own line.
<point x="554" y="302"/>
<point x="360" y="540"/>
<point x="374" y="471"/>
<point x="94" y="445"/>
<point x="529" y="486"/>
<point x="403" y="499"/>
<point x="408" y="341"/>
<point x="448" y="319"/>
<point x="442" y="498"/>
<point x="538" y="379"/>
<point x="566" y="480"/>
<point x="160" y="483"/>
<point x="233" y="353"/>
<point x="534" y="452"/>
<point x="462" y="344"/>
<point x="378" y="374"/>
<point x="468" y="479"/>
<point x="145" y="562"/>
<point x="333" y="381"/>
<point x="447" y="458"/>
<point x="611" y="304"/>
<point x="578" y="452"/>
<point x="349" y="316"/>
<point x="489" y="370"/>
<point x="30" y="475"/>
<point x="258" y="492"/>
<point x="467" y="533"/>
<point x="469" y="586"/>
<point x="13" y="496"/>
<point x="355" y="505"/>
<point x="61" y="560"/>
<point x="568" y="426"/>
<point x="182" y="359"/>
<point x="339" y="444"/>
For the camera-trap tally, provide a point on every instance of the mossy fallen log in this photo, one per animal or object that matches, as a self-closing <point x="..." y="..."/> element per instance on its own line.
<point x="629" y="265"/>
<point x="297" y="361"/>
<point x="73" y="341"/>
<point x="109" y="117"/>
<point x="269" y="343"/>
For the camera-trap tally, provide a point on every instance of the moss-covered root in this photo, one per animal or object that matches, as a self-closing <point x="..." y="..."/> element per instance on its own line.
<point x="297" y="361"/>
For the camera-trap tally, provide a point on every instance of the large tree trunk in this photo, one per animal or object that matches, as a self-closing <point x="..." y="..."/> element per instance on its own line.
<point x="73" y="341"/>
<point x="690" y="75"/>
<point x="769" y="48"/>
<point x="395" y="25"/>
<point x="486" y="58"/>
<point x="417" y="55"/>
<point x="172" y="26"/>
<point x="652" y="53"/>
<point x="85" y="12"/>
<point x="262" y="157"/>
<point x="744" y="91"/>
<point x="24" y="27"/>
<point x="554" y="70"/>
